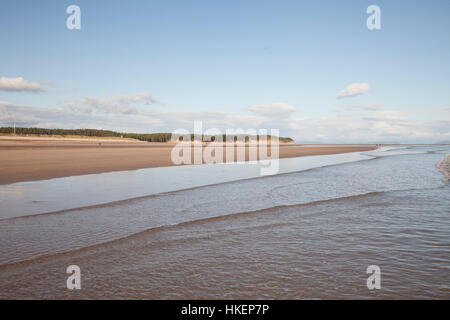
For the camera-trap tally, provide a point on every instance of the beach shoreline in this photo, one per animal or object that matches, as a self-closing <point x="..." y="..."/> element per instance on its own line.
<point x="38" y="159"/>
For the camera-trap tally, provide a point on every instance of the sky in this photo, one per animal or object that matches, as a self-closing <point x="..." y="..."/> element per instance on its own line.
<point x="311" y="69"/>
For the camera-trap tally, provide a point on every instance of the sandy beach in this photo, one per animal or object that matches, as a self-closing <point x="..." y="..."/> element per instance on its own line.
<point x="37" y="159"/>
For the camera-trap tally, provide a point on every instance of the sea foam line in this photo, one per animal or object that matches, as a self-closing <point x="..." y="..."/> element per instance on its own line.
<point x="444" y="166"/>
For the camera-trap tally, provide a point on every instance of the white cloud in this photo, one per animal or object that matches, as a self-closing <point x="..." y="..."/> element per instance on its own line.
<point x="353" y="90"/>
<point x="124" y="104"/>
<point x="272" y="109"/>
<point x="19" y="84"/>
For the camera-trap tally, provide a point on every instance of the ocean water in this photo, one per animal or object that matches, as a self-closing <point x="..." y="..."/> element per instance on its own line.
<point x="225" y="232"/>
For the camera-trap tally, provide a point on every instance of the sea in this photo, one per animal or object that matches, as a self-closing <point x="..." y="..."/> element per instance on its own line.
<point x="223" y="231"/>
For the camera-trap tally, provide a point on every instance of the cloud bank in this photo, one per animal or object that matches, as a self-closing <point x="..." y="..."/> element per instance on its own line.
<point x="366" y="106"/>
<point x="365" y="126"/>
<point x="124" y="104"/>
<point x="272" y="109"/>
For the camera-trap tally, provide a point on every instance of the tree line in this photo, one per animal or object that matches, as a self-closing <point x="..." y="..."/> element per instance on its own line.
<point x="149" y="137"/>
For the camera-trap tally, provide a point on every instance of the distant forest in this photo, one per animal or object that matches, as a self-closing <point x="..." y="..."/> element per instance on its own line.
<point x="150" y="137"/>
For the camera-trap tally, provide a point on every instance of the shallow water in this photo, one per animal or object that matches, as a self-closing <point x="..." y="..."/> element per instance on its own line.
<point x="300" y="234"/>
<point x="30" y="198"/>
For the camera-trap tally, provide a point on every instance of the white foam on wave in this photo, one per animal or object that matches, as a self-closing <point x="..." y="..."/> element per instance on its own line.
<point x="444" y="166"/>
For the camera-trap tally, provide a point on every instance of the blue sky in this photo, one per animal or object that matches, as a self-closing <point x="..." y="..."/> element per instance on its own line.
<point x="213" y="60"/>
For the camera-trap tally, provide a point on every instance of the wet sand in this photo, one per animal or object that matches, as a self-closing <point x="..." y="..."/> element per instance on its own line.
<point x="34" y="159"/>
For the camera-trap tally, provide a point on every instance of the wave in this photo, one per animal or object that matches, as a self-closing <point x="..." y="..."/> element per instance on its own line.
<point x="162" y="194"/>
<point x="168" y="193"/>
<point x="181" y="225"/>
